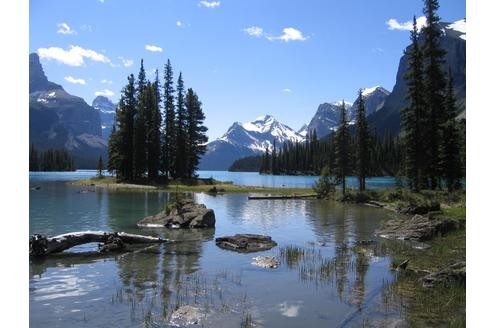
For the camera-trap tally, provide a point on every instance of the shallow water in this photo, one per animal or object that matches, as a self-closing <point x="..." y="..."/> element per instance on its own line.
<point x="333" y="284"/>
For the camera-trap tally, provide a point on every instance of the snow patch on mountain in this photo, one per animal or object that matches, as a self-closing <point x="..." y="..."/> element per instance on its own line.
<point x="459" y="26"/>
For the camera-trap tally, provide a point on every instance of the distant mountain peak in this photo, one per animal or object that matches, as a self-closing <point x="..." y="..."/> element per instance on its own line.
<point x="37" y="78"/>
<point x="247" y="139"/>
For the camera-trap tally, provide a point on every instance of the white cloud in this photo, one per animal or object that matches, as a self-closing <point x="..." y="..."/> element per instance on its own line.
<point x="179" y="24"/>
<point x="73" y="80"/>
<point x="255" y="31"/>
<point x="104" y="81"/>
<point x="73" y="57"/>
<point x="153" y="48"/>
<point x="393" y="24"/>
<point x="106" y="93"/>
<point x="287" y="90"/>
<point x="64" y="28"/>
<point x="209" y="4"/>
<point x="126" y="62"/>
<point x="289" y="34"/>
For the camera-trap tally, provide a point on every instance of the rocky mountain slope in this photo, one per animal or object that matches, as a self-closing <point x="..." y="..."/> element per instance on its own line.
<point x="60" y="120"/>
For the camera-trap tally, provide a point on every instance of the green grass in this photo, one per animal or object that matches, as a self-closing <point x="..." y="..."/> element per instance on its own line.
<point x="172" y="186"/>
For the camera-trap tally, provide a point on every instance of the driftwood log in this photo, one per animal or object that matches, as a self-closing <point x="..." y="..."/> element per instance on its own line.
<point x="40" y="245"/>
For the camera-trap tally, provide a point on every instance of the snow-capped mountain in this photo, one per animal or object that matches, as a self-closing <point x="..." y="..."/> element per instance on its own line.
<point x="106" y="108"/>
<point x="327" y="117"/>
<point x="246" y="139"/>
<point x="374" y="99"/>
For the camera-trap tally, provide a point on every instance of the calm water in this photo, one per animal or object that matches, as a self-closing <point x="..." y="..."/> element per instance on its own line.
<point x="238" y="178"/>
<point x="333" y="284"/>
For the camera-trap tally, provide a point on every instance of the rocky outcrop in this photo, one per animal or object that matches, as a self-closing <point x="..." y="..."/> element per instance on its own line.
<point x="183" y="215"/>
<point x="246" y="243"/>
<point x="453" y="274"/>
<point x="417" y="228"/>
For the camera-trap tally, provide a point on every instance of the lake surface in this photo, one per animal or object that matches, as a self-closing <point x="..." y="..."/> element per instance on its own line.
<point x="333" y="284"/>
<point x="238" y="178"/>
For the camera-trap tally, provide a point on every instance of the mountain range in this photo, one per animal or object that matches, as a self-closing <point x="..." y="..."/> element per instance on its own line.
<point x="60" y="120"/>
<point x="382" y="107"/>
<point x="246" y="139"/>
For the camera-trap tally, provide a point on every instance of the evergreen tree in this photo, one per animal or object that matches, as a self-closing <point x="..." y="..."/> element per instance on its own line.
<point x="196" y="132"/>
<point x="274" y="166"/>
<point x="169" y="136"/>
<point x="99" y="167"/>
<point x="140" y="128"/>
<point x="434" y="88"/>
<point x="450" y="160"/>
<point x="153" y="128"/>
<point x="413" y="116"/>
<point x="114" y="165"/>
<point x="180" y="124"/>
<point x="363" y="144"/>
<point x="126" y="112"/>
<point x="342" y="145"/>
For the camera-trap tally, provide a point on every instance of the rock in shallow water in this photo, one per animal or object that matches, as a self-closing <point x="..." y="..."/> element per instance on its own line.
<point x="186" y="315"/>
<point x="245" y="243"/>
<point x="453" y="274"/>
<point x="266" y="262"/>
<point x="186" y="215"/>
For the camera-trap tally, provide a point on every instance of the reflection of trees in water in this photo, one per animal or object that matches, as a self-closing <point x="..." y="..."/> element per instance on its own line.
<point x="338" y="260"/>
<point x="153" y="279"/>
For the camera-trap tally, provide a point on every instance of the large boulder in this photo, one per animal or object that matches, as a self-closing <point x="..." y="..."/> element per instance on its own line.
<point x="246" y="243"/>
<point x="183" y="215"/>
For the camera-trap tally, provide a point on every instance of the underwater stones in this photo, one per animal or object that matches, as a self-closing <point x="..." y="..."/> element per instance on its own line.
<point x="245" y="243"/>
<point x="266" y="262"/>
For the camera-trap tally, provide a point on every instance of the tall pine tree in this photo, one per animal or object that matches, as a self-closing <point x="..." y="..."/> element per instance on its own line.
<point x="140" y="126"/>
<point x="450" y="159"/>
<point x="169" y="129"/>
<point x="362" y="143"/>
<point x="125" y="116"/>
<point x="413" y="116"/>
<point x="180" y="124"/>
<point x="342" y="147"/>
<point x="196" y="132"/>
<point x="434" y="88"/>
<point x="153" y="128"/>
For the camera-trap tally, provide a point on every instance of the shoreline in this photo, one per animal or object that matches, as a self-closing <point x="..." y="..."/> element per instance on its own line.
<point x="222" y="187"/>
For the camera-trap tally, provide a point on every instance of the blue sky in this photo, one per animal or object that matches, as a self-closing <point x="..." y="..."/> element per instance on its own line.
<point x="244" y="58"/>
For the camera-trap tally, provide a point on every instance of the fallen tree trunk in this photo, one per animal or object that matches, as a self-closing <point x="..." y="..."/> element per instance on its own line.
<point x="40" y="245"/>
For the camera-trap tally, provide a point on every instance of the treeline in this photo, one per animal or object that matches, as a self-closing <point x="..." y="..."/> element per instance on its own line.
<point x="147" y="143"/>
<point x="430" y="150"/>
<point x="246" y="164"/>
<point x="311" y="156"/>
<point x="53" y="160"/>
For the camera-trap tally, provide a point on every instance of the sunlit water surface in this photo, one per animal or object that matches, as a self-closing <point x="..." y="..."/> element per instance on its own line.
<point x="334" y="283"/>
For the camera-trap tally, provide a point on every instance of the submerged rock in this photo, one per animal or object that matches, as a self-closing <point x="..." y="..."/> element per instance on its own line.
<point x="246" y="243"/>
<point x="453" y="274"/>
<point x="418" y="228"/>
<point x="266" y="262"/>
<point x="186" y="315"/>
<point x="184" y="215"/>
